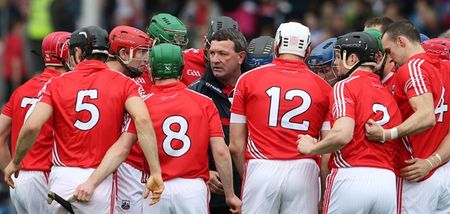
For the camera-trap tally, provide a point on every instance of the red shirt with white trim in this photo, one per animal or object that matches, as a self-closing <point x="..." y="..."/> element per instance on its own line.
<point x="389" y="80"/>
<point x="194" y="65"/>
<point x="362" y="97"/>
<point x="88" y="110"/>
<point x="416" y="77"/>
<point x="280" y="101"/>
<point x="40" y="156"/>
<point x="183" y="121"/>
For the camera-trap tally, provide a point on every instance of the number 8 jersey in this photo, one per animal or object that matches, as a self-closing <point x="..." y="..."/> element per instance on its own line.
<point x="280" y="101"/>
<point x="184" y="121"/>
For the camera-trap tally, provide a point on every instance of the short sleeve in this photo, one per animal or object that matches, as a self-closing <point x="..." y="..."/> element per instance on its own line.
<point x="215" y="126"/>
<point x="45" y="95"/>
<point x="7" y="109"/>
<point x="342" y="102"/>
<point x="413" y="78"/>
<point x="238" y="105"/>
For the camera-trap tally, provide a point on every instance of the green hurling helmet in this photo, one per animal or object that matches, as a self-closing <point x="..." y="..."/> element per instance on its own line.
<point x="165" y="28"/>
<point x="376" y="34"/>
<point x="166" y="61"/>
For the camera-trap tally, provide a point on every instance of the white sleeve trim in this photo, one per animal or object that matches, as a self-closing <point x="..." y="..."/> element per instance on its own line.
<point x="326" y="126"/>
<point x="237" y="118"/>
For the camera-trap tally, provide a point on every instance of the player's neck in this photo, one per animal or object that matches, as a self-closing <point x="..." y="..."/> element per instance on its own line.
<point x="414" y="50"/>
<point x="115" y="65"/>
<point x="58" y="68"/>
<point x="291" y="57"/>
<point x="165" y="81"/>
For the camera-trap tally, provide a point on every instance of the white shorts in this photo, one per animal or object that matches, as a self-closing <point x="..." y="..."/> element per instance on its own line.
<point x="429" y="196"/>
<point x="360" y="190"/>
<point x="64" y="180"/>
<point x="30" y="192"/>
<point x="181" y="195"/>
<point x="280" y="186"/>
<point x="444" y="199"/>
<point x="129" y="190"/>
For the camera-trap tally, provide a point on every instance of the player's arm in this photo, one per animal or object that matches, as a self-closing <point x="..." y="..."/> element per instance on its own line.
<point x="419" y="168"/>
<point x="5" y="131"/>
<point x="238" y="139"/>
<point x="115" y="155"/>
<point x="137" y="109"/>
<point x="324" y="170"/>
<point x="338" y="137"/>
<point x="422" y="119"/>
<point x="222" y="160"/>
<point x="27" y="137"/>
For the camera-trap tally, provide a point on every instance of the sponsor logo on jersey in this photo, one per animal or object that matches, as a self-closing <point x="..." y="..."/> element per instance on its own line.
<point x="125" y="204"/>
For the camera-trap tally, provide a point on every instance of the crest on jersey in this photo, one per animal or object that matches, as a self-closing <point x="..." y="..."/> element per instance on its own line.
<point x="125" y="204"/>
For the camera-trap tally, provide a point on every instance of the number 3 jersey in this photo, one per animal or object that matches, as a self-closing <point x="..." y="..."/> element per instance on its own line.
<point x="361" y="97"/>
<point x="280" y="101"/>
<point x="39" y="157"/>
<point x="88" y="110"/>
<point x="183" y="121"/>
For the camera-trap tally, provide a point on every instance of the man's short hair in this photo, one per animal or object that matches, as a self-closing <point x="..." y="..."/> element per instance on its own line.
<point x="403" y="28"/>
<point x="381" y="21"/>
<point x="240" y="43"/>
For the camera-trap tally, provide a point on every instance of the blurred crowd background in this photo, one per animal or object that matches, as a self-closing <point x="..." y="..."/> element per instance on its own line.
<point x="24" y="23"/>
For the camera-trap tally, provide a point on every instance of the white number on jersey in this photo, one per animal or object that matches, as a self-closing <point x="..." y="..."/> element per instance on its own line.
<point x="441" y="107"/>
<point x="274" y="94"/>
<point x="86" y="106"/>
<point x="28" y="101"/>
<point x="178" y="135"/>
<point x="386" y="117"/>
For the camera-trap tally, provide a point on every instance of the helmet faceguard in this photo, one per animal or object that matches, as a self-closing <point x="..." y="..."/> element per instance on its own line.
<point x="259" y="52"/>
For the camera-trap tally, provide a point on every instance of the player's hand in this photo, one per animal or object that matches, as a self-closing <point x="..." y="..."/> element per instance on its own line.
<point x="417" y="169"/>
<point x="214" y="183"/>
<point x="234" y="203"/>
<point x="374" y="131"/>
<point x="306" y="144"/>
<point x="9" y="170"/>
<point x="84" y="191"/>
<point x="155" y="186"/>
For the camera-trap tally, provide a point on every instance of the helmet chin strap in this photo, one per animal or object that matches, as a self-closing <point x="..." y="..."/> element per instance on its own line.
<point x="133" y="72"/>
<point x="351" y="68"/>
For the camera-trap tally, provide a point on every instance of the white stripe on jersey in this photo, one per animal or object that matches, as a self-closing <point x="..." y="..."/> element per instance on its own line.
<point x="415" y="77"/>
<point x="56" y="161"/>
<point x="254" y="151"/>
<point x="338" y="92"/>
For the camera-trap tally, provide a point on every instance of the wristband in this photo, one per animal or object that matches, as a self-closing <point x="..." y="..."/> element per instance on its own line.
<point x="394" y="133"/>
<point x="431" y="164"/>
<point x="438" y="157"/>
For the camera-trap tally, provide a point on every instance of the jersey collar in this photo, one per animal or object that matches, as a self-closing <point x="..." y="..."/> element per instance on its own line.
<point x="289" y="62"/>
<point x="175" y="86"/>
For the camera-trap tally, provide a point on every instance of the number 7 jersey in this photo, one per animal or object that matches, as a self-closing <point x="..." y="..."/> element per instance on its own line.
<point x="280" y="101"/>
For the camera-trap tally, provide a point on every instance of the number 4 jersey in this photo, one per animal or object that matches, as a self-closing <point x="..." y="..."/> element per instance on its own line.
<point x="184" y="121"/>
<point x="39" y="157"/>
<point x="280" y="101"/>
<point x="88" y="110"/>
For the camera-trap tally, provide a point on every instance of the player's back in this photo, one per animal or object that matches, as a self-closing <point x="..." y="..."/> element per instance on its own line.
<point x="418" y="76"/>
<point x="183" y="121"/>
<point x="39" y="157"/>
<point x="89" y="106"/>
<point x="280" y="101"/>
<point x="362" y="97"/>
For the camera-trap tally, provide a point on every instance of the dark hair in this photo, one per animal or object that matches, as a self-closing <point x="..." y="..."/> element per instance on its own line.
<point x="402" y="28"/>
<point x="240" y="43"/>
<point x="382" y="21"/>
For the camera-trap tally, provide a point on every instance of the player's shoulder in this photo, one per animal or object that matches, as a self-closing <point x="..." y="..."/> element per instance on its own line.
<point x="197" y="96"/>
<point x="257" y="72"/>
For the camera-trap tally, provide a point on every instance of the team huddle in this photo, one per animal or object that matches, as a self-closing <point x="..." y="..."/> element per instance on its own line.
<point x="131" y="122"/>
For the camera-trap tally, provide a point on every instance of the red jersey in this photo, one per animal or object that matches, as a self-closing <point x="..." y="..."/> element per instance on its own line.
<point x="183" y="121"/>
<point x="145" y="81"/>
<point x="280" y="101"/>
<point x="14" y="47"/>
<point x="362" y="97"/>
<point x="194" y="65"/>
<point x="416" y="77"/>
<point x="389" y="80"/>
<point x="40" y="156"/>
<point x="88" y="110"/>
